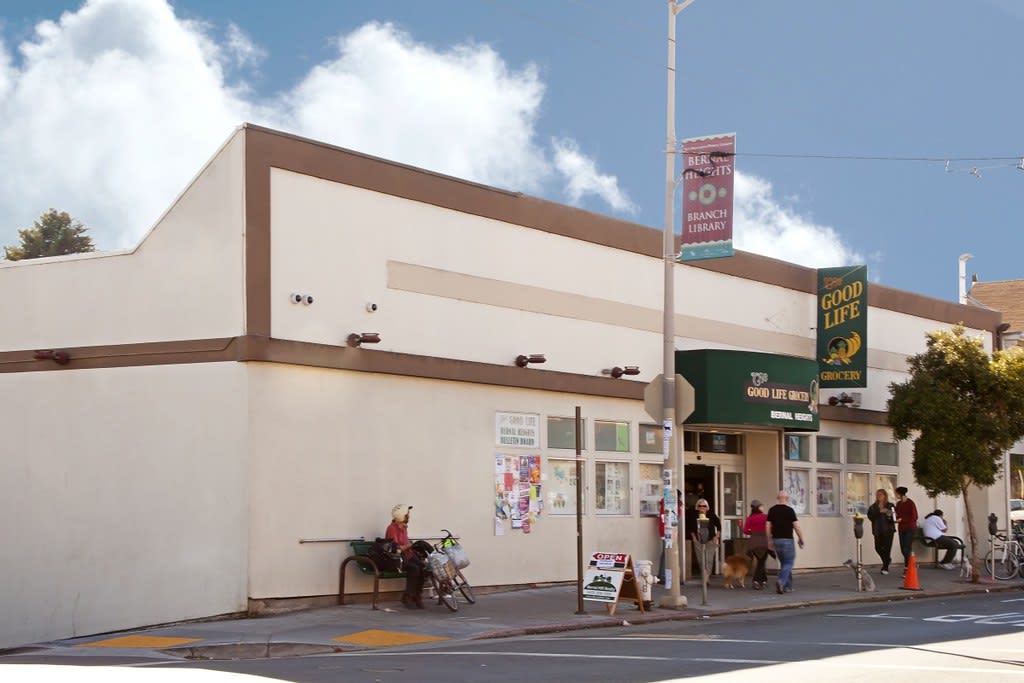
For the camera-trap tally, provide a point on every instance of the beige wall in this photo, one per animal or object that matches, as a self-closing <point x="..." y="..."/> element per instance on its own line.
<point x="123" y="498"/>
<point x="332" y="451"/>
<point x="183" y="281"/>
<point x="455" y="285"/>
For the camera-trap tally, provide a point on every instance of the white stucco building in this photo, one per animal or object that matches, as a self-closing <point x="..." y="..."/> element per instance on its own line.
<point x="206" y="423"/>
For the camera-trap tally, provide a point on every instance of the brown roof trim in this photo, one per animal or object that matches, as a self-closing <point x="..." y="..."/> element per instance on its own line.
<point x="266" y="148"/>
<point x="252" y="348"/>
<point x="429" y="367"/>
<point x="257" y="235"/>
<point x="126" y="355"/>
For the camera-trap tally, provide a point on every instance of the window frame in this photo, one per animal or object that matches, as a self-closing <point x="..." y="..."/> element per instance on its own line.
<point x="629" y="436"/>
<point x="547" y="433"/>
<point x="838" y="441"/>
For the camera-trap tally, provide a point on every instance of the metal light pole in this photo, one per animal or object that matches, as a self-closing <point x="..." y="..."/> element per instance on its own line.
<point x="673" y="455"/>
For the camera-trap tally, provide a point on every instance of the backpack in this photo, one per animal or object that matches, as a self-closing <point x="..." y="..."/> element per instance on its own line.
<point x="386" y="555"/>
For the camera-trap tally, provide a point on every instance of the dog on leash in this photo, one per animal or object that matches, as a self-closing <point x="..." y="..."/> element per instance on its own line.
<point x="869" y="583"/>
<point x="966" y="570"/>
<point x="735" y="568"/>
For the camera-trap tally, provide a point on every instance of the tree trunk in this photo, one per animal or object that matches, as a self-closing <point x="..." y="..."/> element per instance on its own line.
<point x="975" y="574"/>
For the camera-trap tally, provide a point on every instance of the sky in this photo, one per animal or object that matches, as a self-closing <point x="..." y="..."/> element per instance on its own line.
<point x="109" y="107"/>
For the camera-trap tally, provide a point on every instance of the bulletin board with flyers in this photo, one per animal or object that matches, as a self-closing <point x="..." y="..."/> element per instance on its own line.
<point x="517" y="493"/>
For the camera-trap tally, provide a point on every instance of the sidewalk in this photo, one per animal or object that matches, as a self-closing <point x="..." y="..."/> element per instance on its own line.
<point x="495" y="615"/>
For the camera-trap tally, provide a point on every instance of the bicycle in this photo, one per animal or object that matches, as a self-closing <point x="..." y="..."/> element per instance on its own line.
<point x="1005" y="560"/>
<point x="444" y="568"/>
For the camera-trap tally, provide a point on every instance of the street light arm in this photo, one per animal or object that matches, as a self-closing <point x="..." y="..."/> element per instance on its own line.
<point x="680" y="5"/>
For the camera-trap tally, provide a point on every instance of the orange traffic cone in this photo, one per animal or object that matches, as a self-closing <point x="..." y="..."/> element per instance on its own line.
<point x="910" y="582"/>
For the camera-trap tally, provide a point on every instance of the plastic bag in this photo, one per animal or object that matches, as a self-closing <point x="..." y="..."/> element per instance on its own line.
<point x="458" y="556"/>
<point x="440" y="565"/>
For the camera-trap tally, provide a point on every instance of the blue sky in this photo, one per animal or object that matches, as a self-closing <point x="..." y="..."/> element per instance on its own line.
<point x="561" y="98"/>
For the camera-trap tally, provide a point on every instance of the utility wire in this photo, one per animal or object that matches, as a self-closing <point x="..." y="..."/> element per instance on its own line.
<point x="858" y="157"/>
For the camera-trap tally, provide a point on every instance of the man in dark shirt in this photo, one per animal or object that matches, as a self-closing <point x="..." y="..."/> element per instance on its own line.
<point x="780" y="526"/>
<point x="906" y="524"/>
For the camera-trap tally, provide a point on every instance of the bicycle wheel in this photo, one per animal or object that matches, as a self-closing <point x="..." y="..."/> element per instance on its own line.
<point x="1004" y="567"/>
<point x="464" y="587"/>
<point x="445" y="594"/>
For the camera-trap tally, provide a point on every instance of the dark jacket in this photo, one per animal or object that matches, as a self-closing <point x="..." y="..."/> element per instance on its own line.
<point x="691" y="524"/>
<point x="882" y="524"/>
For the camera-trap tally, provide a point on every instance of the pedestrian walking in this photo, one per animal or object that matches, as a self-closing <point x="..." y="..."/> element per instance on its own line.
<point x="780" y="525"/>
<point x="882" y="515"/>
<point x="755" y="526"/>
<point x="906" y="523"/>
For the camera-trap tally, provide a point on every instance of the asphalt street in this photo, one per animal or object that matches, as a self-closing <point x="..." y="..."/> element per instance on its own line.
<point x="978" y="636"/>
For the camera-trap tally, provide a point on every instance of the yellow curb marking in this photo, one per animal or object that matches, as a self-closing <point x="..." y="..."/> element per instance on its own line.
<point x="144" y="642"/>
<point x="377" y="638"/>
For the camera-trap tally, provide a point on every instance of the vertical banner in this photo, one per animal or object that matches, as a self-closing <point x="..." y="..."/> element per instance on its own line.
<point x="708" y="165"/>
<point x="843" y="327"/>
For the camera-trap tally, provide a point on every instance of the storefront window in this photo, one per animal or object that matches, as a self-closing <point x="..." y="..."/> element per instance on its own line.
<point x="1016" y="476"/>
<point x="856" y="493"/>
<point x="827" y="493"/>
<point x="711" y="442"/>
<point x="650" y="439"/>
<point x="611" y="436"/>
<point x="650" y="488"/>
<point x="857" y="452"/>
<point x="560" y="486"/>
<point x="828" y="449"/>
<point x="886" y="454"/>
<point x="797" y="485"/>
<point x="888" y="483"/>
<point x="798" y="448"/>
<point x="562" y="432"/>
<point x="612" y="494"/>
<point x="690" y="441"/>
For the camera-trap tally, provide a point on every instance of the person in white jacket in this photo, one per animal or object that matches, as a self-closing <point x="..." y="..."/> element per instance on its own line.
<point x="934" y="527"/>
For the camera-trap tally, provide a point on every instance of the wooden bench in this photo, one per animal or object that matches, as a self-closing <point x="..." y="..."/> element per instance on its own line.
<point x="367" y="567"/>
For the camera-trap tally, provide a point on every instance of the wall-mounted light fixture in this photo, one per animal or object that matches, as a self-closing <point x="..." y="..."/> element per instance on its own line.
<point x="522" y="361"/>
<point x="355" y="340"/>
<point x="58" y="357"/>
<point x="618" y="372"/>
<point x="845" y="400"/>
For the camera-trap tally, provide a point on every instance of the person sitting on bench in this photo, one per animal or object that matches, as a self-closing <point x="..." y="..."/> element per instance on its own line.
<point x="934" y="528"/>
<point x="398" y="531"/>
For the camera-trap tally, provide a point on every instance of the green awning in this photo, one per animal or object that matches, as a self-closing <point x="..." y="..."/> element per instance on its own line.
<point x="746" y="388"/>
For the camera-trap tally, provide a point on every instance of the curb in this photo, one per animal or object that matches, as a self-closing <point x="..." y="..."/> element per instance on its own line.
<point x="637" y="619"/>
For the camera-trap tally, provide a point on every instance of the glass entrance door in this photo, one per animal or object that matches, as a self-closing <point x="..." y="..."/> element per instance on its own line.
<point x="732" y="505"/>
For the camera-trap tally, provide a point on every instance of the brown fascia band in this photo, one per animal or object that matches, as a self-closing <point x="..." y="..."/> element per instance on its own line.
<point x="253" y="349"/>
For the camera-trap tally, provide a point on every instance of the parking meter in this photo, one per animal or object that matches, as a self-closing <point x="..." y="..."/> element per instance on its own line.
<point x="703" y="532"/>
<point x="993" y="524"/>
<point x="858" y="526"/>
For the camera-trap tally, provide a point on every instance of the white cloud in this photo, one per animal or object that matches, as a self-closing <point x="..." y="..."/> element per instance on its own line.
<point x="112" y="108"/>
<point x="460" y="111"/>
<point x="242" y="49"/>
<point x="764" y="226"/>
<point x="582" y="177"/>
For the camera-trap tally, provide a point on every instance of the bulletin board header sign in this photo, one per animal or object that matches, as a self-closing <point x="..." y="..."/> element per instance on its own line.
<point x="517" y="430"/>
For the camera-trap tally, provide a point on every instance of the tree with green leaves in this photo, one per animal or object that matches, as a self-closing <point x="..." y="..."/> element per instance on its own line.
<point x="54" y="234"/>
<point x="964" y="409"/>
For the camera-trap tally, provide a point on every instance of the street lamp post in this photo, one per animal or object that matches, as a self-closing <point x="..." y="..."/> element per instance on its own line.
<point x="673" y="476"/>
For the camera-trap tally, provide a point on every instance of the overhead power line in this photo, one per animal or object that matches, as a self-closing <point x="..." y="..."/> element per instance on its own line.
<point x="859" y="157"/>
